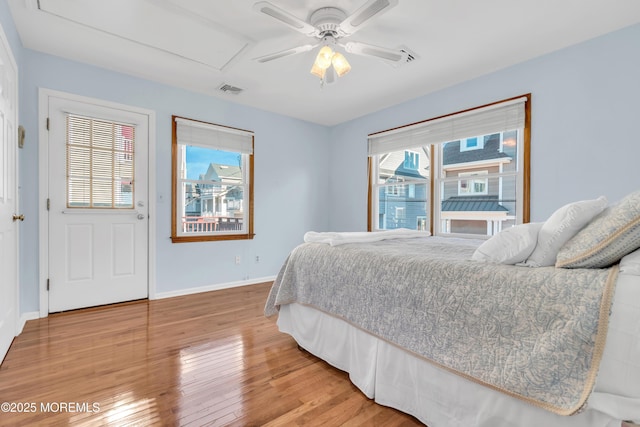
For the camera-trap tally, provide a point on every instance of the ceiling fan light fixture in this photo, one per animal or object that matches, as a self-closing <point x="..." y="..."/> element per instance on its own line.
<point x="323" y="60"/>
<point x="317" y="71"/>
<point x="330" y="24"/>
<point x="340" y="64"/>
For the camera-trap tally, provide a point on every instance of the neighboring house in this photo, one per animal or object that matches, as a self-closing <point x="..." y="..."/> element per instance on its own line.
<point x="215" y="203"/>
<point x="403" y="204"/>
<point x="477" y="201"/>
<point x="220" y="198"/>
<point x="474" y="199"/>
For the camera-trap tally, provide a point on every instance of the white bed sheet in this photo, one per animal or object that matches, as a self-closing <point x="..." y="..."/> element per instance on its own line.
<point x="394" y="377"/>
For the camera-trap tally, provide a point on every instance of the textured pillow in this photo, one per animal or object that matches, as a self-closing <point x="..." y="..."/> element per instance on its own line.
<point x="609" y="237"/>
<point x="561" y="226"/>
<point x="630" y="264"/>
<point x="510" y="246"/>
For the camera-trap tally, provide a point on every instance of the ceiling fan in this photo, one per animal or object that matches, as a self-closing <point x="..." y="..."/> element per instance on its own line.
<point x="329" y="25"/>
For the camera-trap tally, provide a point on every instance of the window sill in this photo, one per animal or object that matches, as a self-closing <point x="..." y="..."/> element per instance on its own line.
<point x="209" y="238"/>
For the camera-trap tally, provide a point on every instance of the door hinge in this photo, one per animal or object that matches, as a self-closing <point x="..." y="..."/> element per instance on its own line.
<point x="48" y="204"/>
<point x="47" y="123"/>
<point x="47" y="284"/>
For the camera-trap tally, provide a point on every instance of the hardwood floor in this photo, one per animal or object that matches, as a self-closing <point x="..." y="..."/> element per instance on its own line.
<point x="207" y="359"/>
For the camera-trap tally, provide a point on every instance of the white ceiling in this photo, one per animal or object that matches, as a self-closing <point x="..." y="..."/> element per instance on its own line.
<point x="200" y="44"/>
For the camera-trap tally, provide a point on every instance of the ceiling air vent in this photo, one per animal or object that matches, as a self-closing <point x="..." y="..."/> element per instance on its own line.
<point x="226" y="88"/>
<point x="411" y="56"/>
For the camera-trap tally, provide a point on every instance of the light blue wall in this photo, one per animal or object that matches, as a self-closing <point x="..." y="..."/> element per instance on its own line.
<point x="291" y="188"/>
<point x="310" y="177"/>
<point x="584" y="139"/>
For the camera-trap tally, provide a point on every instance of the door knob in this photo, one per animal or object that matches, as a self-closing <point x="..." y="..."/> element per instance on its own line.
<point x="140" y="216"/>
<point x="18" y="217"/>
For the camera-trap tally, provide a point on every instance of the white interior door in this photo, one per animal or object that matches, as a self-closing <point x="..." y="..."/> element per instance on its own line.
<point x="8" y="197"/>
<point x="98" y="204"/>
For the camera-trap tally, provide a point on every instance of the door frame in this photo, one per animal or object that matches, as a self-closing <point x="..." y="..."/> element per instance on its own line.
<point x="43" y="192"/>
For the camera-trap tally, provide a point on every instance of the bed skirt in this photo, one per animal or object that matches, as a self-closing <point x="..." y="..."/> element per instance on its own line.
<point x="402" y="380"/>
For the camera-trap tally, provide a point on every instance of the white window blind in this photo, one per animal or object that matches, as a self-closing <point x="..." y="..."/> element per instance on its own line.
<point x="191" y="132"/>
<point x="100" y="163"/>
<point x="494" y="118"/>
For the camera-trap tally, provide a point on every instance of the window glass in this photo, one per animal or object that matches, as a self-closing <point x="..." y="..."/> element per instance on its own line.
<point x="402" y="189"/>
<point x="477" y="188"/>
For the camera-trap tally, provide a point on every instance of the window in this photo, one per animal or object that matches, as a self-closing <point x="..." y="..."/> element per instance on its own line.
<point x="411" y="160"/>
<point x="212" y="197"/>
<point x="99" y="163"/>
<point x="471" y="172"/>
<point x="472" y="184"/>
<point x="475" y="143"/>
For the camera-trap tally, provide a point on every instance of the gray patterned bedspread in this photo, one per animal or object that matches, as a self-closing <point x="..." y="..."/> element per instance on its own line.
<point x="534" y="333"/>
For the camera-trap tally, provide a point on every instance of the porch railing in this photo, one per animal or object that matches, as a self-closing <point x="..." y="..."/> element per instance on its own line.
<point x="199" y="224"/>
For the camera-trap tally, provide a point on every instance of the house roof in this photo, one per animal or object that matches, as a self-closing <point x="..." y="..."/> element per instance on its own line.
<point x="473" y="204"/>
<point x="393" y="164"/>
<point x="452" y="154"/>
<point x="220" y="173"/>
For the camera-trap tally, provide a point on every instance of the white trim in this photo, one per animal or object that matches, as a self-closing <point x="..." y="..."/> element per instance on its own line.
<point x="152" y="202"/>
<point x="24" y="318"/>
<point x="214" y="287"/>
<point x="43" y="192"/>
<point x="477" y="164"/>
<point x="476" y="215"/>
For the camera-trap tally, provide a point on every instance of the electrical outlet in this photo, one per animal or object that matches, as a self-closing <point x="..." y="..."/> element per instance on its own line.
<point x="257" y="259"/>
<point x="237" y="259"/>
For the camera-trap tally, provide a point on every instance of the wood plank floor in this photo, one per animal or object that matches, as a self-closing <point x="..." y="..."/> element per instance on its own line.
<point x="209" y="359"/>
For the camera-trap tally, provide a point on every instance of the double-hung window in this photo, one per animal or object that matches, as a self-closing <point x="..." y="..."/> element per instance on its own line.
<point x="212" y="174"/>
<point x="464" y="174"/>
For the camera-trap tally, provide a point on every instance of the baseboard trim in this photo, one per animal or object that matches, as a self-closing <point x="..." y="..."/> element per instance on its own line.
<point x="215" y="287"/>
<point x="24" y="318"/>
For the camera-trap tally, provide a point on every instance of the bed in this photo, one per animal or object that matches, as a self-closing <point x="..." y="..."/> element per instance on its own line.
<point x="434" y="327"/>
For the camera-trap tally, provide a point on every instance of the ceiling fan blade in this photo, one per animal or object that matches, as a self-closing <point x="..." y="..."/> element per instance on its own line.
<point x="286" y="18"/>
<point x="367" y="11"/>
<point x="394" y="56"/>
<point x="283" y="53"/>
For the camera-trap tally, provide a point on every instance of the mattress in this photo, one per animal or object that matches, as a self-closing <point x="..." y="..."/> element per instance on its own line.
<point x="395" y="377"/>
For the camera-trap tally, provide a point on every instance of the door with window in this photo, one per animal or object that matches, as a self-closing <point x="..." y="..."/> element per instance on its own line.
<point x="98" y="204"/>
<point x="9" y="218"/>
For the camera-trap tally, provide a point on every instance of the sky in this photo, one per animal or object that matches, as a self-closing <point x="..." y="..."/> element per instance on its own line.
<point x="198" y="160"/>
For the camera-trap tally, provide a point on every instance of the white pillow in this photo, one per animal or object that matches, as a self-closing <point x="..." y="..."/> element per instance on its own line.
<point x="561" y="226"/>
<point x="630" y="264"/>
<point x="511" y="246"/>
